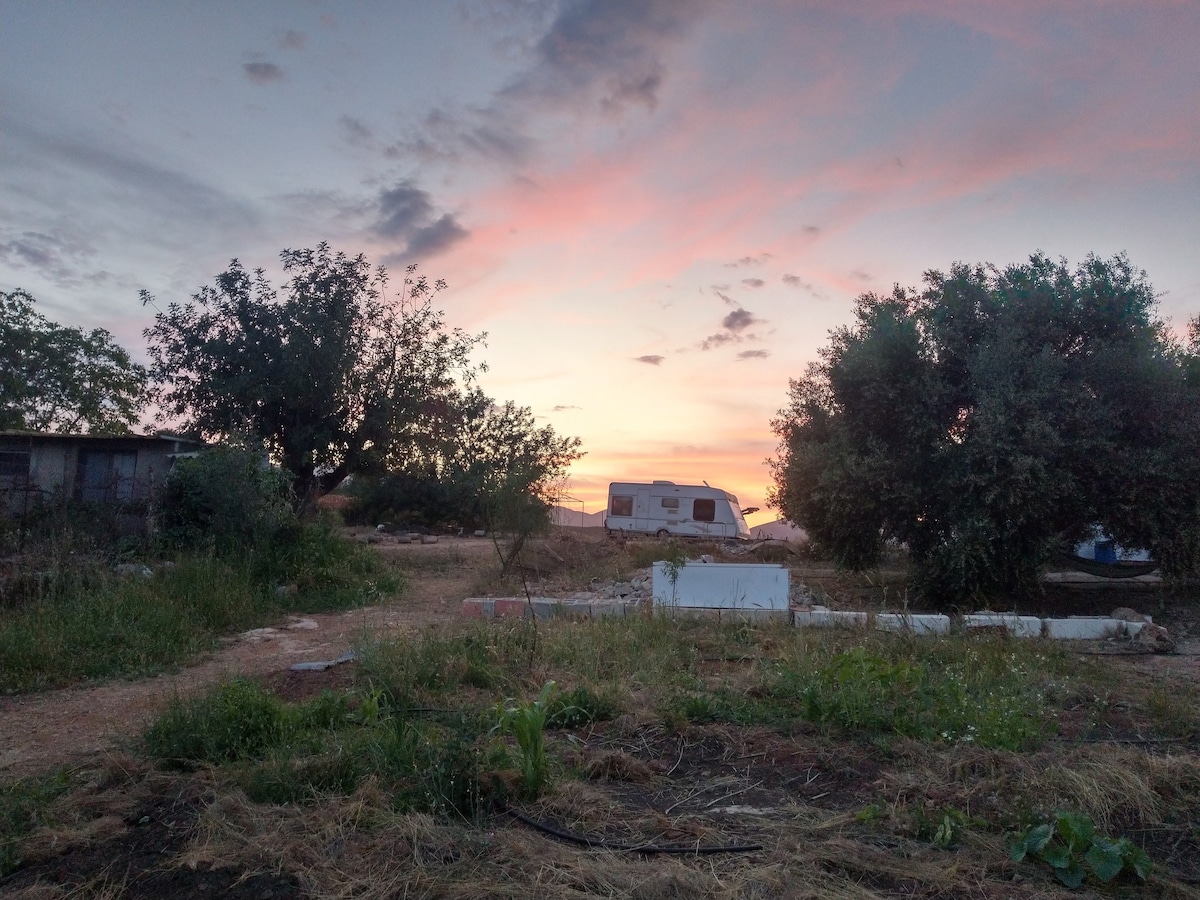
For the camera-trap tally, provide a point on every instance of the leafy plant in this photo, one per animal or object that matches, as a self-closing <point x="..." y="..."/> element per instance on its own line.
<point x="527" y="723"/>
<point x="1070" y="842"/>
<point x="942" y="828"/>
<point x="578" y="707"/>
<point x="673" y="562"/>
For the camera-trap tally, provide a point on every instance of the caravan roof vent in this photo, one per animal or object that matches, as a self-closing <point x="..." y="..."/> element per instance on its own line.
<point x="664" y="482"/>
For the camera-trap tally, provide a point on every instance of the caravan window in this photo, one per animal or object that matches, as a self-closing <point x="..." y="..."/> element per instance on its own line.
<point x="670" y="503"/>
<point x="704" y="510"/>
<point x="622" y="505"/>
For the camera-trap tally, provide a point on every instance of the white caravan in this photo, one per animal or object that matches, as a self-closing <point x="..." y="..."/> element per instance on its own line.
<point x="665" y="508"/>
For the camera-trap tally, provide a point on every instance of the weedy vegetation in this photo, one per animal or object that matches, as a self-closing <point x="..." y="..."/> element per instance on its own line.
<point x="80" y="602"/>
<point x="654" y="756"/>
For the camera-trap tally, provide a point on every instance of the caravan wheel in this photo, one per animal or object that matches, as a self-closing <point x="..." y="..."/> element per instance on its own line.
<point x="662" y="533"/>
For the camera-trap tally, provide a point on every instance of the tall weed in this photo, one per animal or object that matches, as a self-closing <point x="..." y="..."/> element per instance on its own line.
<point x="81" y="620"/>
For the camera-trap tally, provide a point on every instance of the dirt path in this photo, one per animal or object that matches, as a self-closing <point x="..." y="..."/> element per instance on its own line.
<point x="44" y="731"/>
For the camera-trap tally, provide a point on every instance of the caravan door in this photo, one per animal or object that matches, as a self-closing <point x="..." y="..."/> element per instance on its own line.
<point x="707" y="512"/>
<point x="641" y="510"/>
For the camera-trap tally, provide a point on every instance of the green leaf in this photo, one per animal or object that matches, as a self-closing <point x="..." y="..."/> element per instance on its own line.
<point x="1136" y="858"/>
<point x="1072" y="875"/>
<point x="1016" y="850"/>
<point x="1038" y="837"/>
<point x="1106" y="859"/>
<point x="1077" y="830"/>
<point x="1058" y="855"/>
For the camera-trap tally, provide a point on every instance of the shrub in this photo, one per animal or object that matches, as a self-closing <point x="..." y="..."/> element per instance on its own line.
<point x="239" y="720"/>
<point x="226" y="498"/>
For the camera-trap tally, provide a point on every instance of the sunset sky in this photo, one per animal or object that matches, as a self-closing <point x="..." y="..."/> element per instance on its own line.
<point x="656" y="210"/>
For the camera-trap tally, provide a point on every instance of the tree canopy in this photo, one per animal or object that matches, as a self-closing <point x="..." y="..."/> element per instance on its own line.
<point x="478" y="464"/>
<point x="991" y="420"/>
<point x="61" y="378"/>
<point x="333" y="377"/>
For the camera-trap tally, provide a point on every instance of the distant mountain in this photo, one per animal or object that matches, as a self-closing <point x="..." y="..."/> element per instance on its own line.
<point x="779" y="530"/>
<point x="574" y="518"/>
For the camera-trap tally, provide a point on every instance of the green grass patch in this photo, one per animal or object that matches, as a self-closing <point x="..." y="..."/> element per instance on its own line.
<point x="281" y="752"/>
<point x="995" y="693"/>
<point x="78" y="621"/>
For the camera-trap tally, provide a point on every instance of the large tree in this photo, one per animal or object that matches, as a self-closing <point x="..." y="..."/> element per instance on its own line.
<point x="990" y="420"/>
<point x="61" y="378"/>
<point x="332" y="376"/>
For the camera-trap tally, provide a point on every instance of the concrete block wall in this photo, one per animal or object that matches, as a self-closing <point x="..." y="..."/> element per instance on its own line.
<point x="1017" y="626"/>
<point x="543" y="608"/>
<point x="1077" y="628"/>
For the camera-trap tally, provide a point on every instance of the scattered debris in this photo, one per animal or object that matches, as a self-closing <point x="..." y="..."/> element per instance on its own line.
<point x="1154" y="638"/>
<point x="131" y="569"/>
<point x="322" y="665"/>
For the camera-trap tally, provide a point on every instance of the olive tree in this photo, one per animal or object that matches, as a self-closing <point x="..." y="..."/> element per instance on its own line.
<point x="990" y="420"/>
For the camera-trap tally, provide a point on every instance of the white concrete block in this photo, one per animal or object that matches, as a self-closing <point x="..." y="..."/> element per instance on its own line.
<point x="1083" y="628"/>
<point x="1017" y="626"/>
<point x="722" y="586"/>
<point x="820" y="617"/>
<point x="917" y="623"/>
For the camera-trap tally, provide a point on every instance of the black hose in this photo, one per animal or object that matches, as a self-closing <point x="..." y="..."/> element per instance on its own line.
<point x="647" y="849"/>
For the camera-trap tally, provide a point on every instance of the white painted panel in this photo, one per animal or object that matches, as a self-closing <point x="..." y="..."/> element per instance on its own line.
<point x="723" y="586"/>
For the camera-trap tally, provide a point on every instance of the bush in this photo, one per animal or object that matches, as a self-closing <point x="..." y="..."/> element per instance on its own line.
<point x="239" y="720"/>
<point x="226" y="498"/>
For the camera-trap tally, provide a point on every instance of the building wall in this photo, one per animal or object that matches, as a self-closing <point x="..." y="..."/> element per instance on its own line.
<point x="120" y="470"/>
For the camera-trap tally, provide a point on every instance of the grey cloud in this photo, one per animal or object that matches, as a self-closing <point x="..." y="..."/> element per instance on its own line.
<point x="749" y="261"/>
<point x="604" y="55"/>
<point x="178" y="195"/>
<point x="610" y="48"/>
<point x="739" y="320"/>
<point x="263" y="72"/>
<point x="811" y="230"/>
<point x="293" y="40"/>
<point x="403" y="209"/>
<point x="795" y="281"/>
<point x="433" y="239"/>
<point x="56" y="259"/>
<point x="407" y="212"/>
<point x="861" y="274"/>
<point x="651" y="360"/>
<point x="753" y="282"/>
<point x="446" y="135"/>
<point x="718" y="340"/>
<point x="355" y="131"/>
<point x="637" y="88"/>
<point x="563" y="407"/>
<point x="753" y="354"/>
